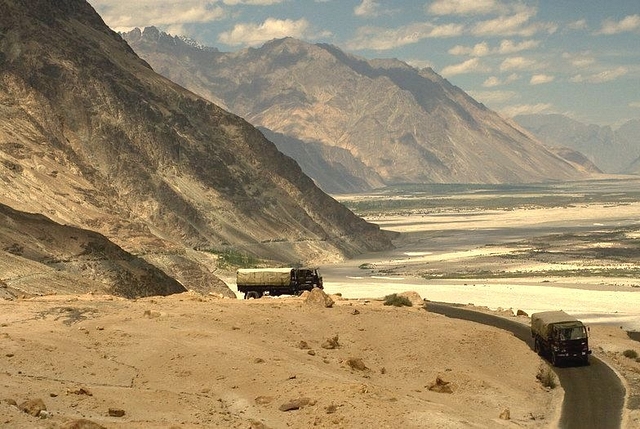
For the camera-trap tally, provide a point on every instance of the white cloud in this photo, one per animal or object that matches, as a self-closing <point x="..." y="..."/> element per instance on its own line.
<point x="493" y="97"/>
<point x="605" y="76"/>
<point x="472" y="65"/>
<point x="577" y="25"/>
<point x="526" y="109"/>
<point x="517" y="63"/>
<point x="252" y="2"/>
<point x="579" y="60"/>
<point x="492" y="82"/>
<point x="479" y="50"/>
<point x="464" y="7"/>
<point x="125" y="15"/>
<point x="380" y="39"/>
<point x="515" y="24"/>
<point x="509" y="47"/>
<point x="250" y="34"/>
<point x="628" y="23"/>
<point x="367" y="8"/>
<point x="538" y="79"/>
<point x="482" y="49"/>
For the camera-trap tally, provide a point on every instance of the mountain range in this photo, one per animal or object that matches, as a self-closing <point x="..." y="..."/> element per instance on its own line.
<point x="355" y="124"/>
<point x="92" y="138"/>
<point x="612" y="151"/>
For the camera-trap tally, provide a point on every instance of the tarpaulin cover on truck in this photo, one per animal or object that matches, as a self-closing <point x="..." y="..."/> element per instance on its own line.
<point x="540" y="322"/>
<point x="264" y="276"/>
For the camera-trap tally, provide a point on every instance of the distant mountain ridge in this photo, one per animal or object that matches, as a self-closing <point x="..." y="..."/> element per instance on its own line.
<point x="613" y="151"/>
<point x="396" y="123"/>
<point x="92" y="137"/>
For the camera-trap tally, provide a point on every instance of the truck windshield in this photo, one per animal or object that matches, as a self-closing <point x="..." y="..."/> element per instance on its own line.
<point x="576" y="333"/>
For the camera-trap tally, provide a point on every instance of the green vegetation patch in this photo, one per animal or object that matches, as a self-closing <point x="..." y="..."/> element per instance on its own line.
<point x="397" y="300"/>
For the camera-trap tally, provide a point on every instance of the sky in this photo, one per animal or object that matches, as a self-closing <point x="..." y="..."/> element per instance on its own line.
<point x="579" y="58"/>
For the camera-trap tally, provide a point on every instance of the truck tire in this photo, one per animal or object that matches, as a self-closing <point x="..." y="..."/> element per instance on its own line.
<point x="554" y="358"/>
<point x="252" y="295"/>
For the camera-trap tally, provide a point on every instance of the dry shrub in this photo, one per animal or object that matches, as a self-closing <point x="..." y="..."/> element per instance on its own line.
<point x="547" y="377"/>
<point x="397" y="300"/>
<point x="631" y="354"/>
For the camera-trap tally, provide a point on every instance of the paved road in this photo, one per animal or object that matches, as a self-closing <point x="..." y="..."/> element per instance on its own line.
<point x="594" y="395"/>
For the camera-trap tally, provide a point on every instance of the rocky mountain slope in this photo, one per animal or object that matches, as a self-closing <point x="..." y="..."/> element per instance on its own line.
<point x="374" y="123"/>
<point x="91" y="136"/>
<point x="611" y="150"/>
<point x="40" y="256"/>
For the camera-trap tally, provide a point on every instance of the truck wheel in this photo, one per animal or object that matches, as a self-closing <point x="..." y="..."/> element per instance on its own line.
<point x="252" y="295"/>
<point x="554" y="359"/>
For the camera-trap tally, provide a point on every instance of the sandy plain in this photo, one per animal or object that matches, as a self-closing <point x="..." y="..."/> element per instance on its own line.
<point x="193" y="361"/>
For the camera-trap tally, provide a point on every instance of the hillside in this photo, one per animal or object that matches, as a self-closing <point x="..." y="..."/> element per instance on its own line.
<point x="610" y="150"/>
<point x="92" y="137"/>
<point x="392" y="123"/>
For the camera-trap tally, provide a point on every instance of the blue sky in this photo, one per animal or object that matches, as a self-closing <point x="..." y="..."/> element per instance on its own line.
<point x="580" y="58"/>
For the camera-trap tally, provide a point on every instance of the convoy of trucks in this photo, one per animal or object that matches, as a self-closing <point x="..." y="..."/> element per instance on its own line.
<point x="258" y="282"/>
<point x="560" y="337"/>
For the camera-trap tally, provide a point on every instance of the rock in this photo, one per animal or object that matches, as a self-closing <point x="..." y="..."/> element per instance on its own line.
<point x="264" y="400"/>
<point x="521" y="313"/>
<point x="505" y="414"/>
<point x="116" y="412"/>
<point x="441" y="386"/>
<point x="296" y="404"/>
<point x="10" y="401"/>
<point x="357" y="364"/>
<point x="317" y="298"/>
<point x="80" y="391"/>
<point x="331" y="343"/>
<point x="33" y="407"/>
<point x="355" y="312"/>
<point x="303" y="345"/>
<point x="82" y="424"/>
<point x="255" y="424"/>
<point x="413" y="296"/>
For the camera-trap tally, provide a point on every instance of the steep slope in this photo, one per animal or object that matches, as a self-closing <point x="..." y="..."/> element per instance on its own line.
<point x="402" y="124"/>
<point x="92" y="137"/>
<point x="39" y="256"/>
<point x="610" y="150"/>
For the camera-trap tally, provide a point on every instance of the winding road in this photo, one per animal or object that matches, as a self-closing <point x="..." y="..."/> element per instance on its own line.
<point x="594" y="395"/>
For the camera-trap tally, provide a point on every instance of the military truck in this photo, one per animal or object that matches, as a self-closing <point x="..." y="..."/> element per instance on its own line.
<point x="560" y="337"/>
<point x="258" y="282"/>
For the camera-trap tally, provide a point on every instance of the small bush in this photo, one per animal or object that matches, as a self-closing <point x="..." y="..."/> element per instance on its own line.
<point x="631" y="354"/>
<point x="397" y="300"/>
<point x="547" y="377"/>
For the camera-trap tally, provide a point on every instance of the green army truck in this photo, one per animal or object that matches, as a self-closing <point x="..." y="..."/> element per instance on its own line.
<point x="258" y="282"/>
<point x="560" y="337"/>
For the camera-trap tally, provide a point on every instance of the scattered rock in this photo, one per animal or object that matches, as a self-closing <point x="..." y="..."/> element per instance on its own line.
<point x="383" y="370"/>
<point x="151" y="314"/>
<point x="303" y="345"/>
<point x="311" y="353"/>
<point x="258" y="360"/>
<point x="255" y="424"/>
<point x="331" y="409"/>
<point x="33" y="407"/>
<point x="10" y="401"/>
<point x="296" y="404"/>
<point x="318" y="298"/>
<point x="505" y="414"/>
<point x="355" y="312"/>
<point x="82" y="424"/>
<point x="441" y="386"/>
<point x="80" y="391"/>
<point x="357" y="364"/>
<point x="116" y="412"/>
<point x="412" y="296"/>
<point x="331" y="343"/>
<point x="521" y="313"/>
<point x="264" y="400"/>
